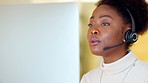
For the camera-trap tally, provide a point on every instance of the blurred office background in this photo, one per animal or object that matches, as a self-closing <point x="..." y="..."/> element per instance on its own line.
<point x="86" y="7"/>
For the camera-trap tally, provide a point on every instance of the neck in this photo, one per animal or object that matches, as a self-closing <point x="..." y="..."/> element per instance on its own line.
<point x="114" y="56"/>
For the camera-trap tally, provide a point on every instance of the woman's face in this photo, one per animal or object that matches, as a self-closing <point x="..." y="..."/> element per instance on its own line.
<point x="105" y="29"/>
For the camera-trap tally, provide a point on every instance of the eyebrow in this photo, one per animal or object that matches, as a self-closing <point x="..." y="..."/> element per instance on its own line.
<point x="92" y="17"/>
<point x="105" y="16"/>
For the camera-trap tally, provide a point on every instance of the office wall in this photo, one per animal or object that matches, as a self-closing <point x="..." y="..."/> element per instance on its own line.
<point x="41" y="1"/>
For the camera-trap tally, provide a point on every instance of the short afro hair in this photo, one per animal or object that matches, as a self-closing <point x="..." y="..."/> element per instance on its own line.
<point x="138" y="9"/>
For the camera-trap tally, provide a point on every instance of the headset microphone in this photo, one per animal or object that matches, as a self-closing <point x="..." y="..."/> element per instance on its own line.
<point x="107" y="48"/>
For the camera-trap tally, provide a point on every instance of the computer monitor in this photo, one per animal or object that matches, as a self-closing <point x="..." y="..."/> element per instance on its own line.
<point x="39" y="43"/>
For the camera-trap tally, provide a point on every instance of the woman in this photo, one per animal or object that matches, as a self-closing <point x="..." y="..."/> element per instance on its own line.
<point x="114" y="26"/>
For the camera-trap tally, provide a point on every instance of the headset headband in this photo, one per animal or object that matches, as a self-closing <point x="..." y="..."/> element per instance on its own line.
<point x="130" y="14"/>
<point x="132" y="20"/>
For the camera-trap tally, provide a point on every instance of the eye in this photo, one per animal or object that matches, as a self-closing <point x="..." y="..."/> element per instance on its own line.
<point x="90" y="25"/>
<point x="105" y="24"/>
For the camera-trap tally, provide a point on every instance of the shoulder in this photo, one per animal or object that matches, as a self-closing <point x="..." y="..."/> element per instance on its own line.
<point x="144" y="70"/>
<point x="142" y="65"/>
<point x="141" y="69"/>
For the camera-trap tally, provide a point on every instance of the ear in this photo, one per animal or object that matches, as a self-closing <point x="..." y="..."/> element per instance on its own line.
<point x="126" y="28"/>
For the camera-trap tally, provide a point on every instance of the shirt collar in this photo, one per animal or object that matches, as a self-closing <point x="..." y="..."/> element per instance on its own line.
<point x="119" y="65"/>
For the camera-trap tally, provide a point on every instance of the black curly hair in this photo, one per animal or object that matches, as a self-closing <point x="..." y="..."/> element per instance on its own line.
<point x="138" y="9"/>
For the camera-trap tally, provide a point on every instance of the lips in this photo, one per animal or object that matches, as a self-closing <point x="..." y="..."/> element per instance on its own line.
<point x="94" y="41"/>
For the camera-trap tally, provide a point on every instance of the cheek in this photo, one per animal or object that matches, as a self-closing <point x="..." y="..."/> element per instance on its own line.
<point x="112" y="37"/>
<point x="107" y="39"/>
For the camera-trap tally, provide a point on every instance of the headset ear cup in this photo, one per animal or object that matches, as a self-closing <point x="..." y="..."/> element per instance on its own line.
<point x="130" y="37"/>
<point x="127" y="36"/>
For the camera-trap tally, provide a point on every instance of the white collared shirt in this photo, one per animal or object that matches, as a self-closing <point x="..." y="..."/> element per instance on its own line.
<point x="128" y="69"/>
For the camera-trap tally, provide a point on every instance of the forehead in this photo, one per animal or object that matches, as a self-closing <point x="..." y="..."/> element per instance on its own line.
<point x="105" y="10"/>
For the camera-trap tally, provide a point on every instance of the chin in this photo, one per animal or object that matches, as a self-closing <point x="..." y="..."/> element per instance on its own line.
<point x="96" y="52"/>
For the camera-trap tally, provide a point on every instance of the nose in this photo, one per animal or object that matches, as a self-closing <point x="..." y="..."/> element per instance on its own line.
<point x="94" y="32"/>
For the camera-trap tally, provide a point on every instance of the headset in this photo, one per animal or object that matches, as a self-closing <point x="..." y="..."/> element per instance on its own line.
<point x="130" y="35"/>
